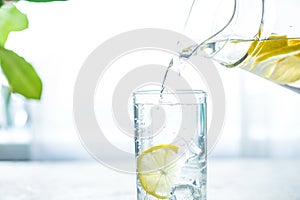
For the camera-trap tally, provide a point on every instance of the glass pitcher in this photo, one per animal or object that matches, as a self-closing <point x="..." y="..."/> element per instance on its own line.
<point x="260" y="36"/>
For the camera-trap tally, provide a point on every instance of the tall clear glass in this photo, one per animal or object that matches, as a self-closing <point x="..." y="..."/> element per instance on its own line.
<point x="170" y="144"/>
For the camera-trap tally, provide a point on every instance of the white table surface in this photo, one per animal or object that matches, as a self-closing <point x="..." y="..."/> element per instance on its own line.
<point x="238" y="179"/>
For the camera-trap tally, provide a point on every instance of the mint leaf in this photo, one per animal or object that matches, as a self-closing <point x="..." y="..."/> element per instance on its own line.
<point x="21" y="76"/>
<point x="11" y="20"/>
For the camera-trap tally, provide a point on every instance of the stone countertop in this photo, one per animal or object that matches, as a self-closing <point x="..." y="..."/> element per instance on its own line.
<point x="228" y="179"/>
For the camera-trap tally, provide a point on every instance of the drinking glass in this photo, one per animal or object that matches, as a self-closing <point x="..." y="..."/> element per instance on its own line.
<point x="170" y="144"/>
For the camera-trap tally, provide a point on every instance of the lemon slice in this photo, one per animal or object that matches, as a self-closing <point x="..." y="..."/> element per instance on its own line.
<point x="276" y="59"/>
<point x="272" y="43"/>
<point x="278" y="52"/>
<point x="287" y="70"/>
<point x="157" y="170"/>
<point x="293" y="41"/>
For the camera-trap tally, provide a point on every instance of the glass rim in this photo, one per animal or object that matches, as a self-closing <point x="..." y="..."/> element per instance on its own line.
<point x="158" y="92"/>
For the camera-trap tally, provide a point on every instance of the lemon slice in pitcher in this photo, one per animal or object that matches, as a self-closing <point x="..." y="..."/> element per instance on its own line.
<point x="157" y="170"/>
<point x="287" y="70"/>
<point x="264" y="46"/>
<point x="276" y="59"/>
<point x="278" y="52"/>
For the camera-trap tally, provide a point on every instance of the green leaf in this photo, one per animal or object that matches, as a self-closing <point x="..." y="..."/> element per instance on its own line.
<point x="40" y="1"/>
<point x="21" y="76"/>
<point x="11" y="20"/>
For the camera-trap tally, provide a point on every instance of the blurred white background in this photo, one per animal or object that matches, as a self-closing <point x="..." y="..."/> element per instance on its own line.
<point x="262" y="119"/>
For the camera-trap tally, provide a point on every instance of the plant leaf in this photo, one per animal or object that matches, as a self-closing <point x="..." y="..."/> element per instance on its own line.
<point x="11" y="20"/>
<point x="40" y="1"/>
<point x="20" y="74"/>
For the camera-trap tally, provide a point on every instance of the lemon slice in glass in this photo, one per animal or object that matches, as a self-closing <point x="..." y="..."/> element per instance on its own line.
<point x="157" y="169"/>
